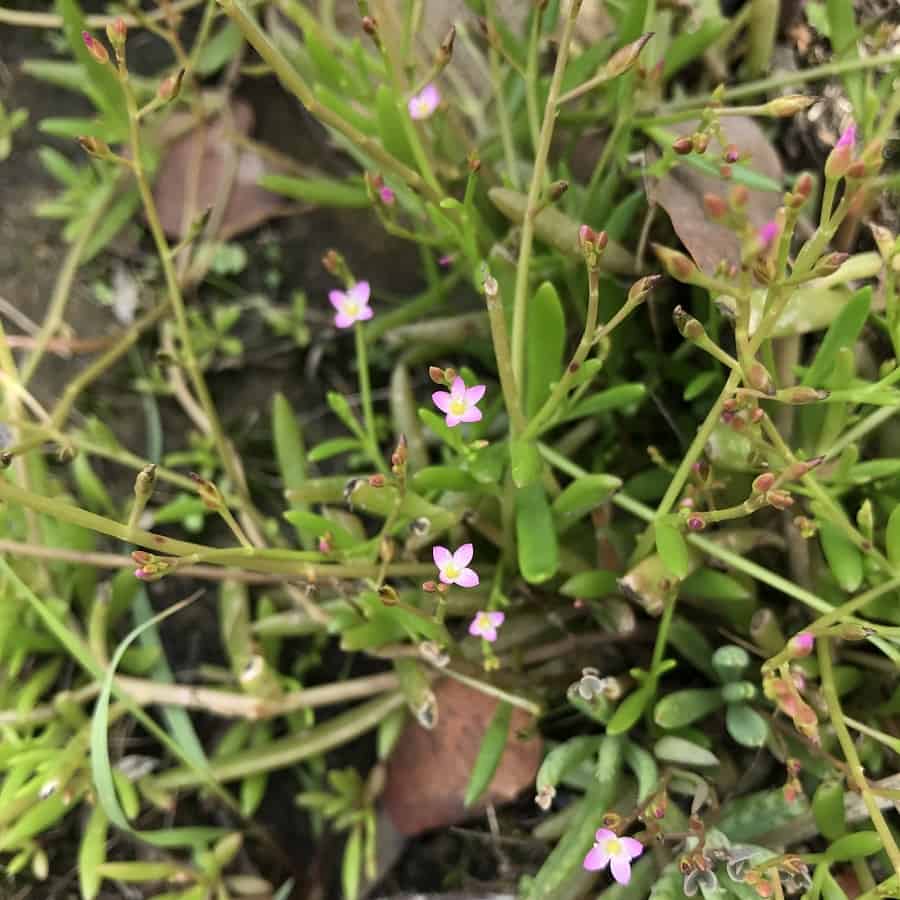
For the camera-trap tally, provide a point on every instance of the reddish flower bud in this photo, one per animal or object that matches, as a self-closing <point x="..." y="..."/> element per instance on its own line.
<point x="678" y="265"/>
<point x="842" y="155"/>
<point x="801" y="645"/>
<point x="436" y="375"/>
<point x="731" y="154"/>
<point x="95" y="48"/>
<point x="376" y="481"/>
<point x="700" y="142"/>
<point x="715" y="206"/>
<point x="696" y="522"/>
<point x="759" y="379"/>
<point x="688" y="327"/>
<point x="625" y="57"/>
<point x="116" y="33"/>
<point x="642" y="287"/>
<point x="779" y="499"/>
<point x="801" y="395"/>
<point x="369" y="26"/>
<point x="763" y="483"/>
<point x="683" y="146"/>
<point x="726" y="172"/>
<point x="170" y="87"/>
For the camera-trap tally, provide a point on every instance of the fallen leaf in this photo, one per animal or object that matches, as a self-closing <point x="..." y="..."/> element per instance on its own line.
<point x="680" y="192"/>
<point x="217" y="159"/>
<point x="428" y="771"/>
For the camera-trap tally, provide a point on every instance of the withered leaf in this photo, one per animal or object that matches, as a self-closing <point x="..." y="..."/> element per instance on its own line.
<point x="204" y="166"/>
<point x="680" y="192"/>
<point x="428" y="771"/>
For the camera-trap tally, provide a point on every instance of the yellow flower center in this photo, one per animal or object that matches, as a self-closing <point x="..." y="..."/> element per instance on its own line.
<point x="613" y="847"/>
<point x="351" y="308"/>
<point x="451" y="572"/>
<point x="484" y="621"/>
<point x="457" y="407"/>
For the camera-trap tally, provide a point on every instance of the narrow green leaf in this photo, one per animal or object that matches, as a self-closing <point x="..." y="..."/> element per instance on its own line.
<point x="680" y="708"/>
<point x="590" y="585"/>
<point x="584" y="495"/>
<point x="492" y="746"/>
<point x="536" y="540"/>
<point x="391" y="126"/>
<point x="92" y="853"/>
<point x="564" y="758"/>
<point x="351" y="865"/>
<point x="854" y="846"/>
<point x="333" y="447"/>
<point x="220" y="48"/>
<point x="644" y="767"/>
<point x="612" y="399"/>
<point x="443" y="478"/>
<point x="631" y="709"/>
<point x="321" y="191"/>
<point x="844" y="558"/>
<point x="545" y="343"/>
<point x="892" y="537"/>
<point x="672" y="549"/>
<point x="843" y="332"/>
<point x="682" y="752"/>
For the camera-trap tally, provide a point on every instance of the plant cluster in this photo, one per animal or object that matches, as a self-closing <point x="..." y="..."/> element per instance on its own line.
<point x="646" y="497"/>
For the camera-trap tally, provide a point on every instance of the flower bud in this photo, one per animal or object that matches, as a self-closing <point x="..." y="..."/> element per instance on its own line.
<point x="95" y="147"/>
<point x="696" y="522"/>
<point x="841" y="156"/>
<point x="331" y="262"/>
<point x="145" y="482"/>
<point x="799" y="396"/>
<point x="801" y="645"/>
<point x="830" y="263"/>
<point x="725" y="171"/>
<point x="445" y="51"/>
<point x="779" y="499"/>
<point x="759" y="379"/>
<point x="788" y="105"/>
<point x="116" y="33"/>
<point x="370" y="26"/>
<point x="884" y="240"/>
<point x="556" y="190"/>
<point x="872" y="156"/>
<point x="679" y="266"/>
<point x="731" y="154"/>
<point x="429" y="587"/>
<point x="376" y="481"/>
<point x="853" y="631"/>
<point x="802" y="467"/>
<point x="683" y="146"/>
<point x="170" y="87"/>
<point x="715" y="206"/>
<point x="398" y="457"/>
<point x="208" y="492"/>
<point x="436" y="374"/>
<point x="688" y="327"/>
<point x="625" y="57"/>
<point x="763" y="483"/>
<point x="700" y="142"/>
<point x="388" y="595"/>
<point x="740" y="196"/>
<point x="95" y="48"/>
<point x="642" y="287"/>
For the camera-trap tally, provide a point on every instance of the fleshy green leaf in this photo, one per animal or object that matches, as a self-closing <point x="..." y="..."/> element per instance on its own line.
<point x="545" y="343"/>
<point x="535" y="535"/>
<point x="672" y="549"/>
<point x="492" y="746"/>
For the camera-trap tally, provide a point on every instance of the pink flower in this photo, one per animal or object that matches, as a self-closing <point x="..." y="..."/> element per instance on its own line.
<point x="446" y="260"/>
<point x="352" y="305"/>
<point x="802" y="644"/>
<point x="453" y="567"/>
<point x="768" y="233"/>
<point x="387" y="195"/>
<point x="614" y="851"/>
<point x="848" y="136"/>
<point x="485" y="625"/>
<point x="459" y="403"/>
<point x="423" y="104"/>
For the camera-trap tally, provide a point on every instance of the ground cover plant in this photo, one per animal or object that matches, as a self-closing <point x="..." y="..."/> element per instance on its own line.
<point x="536" y="533"/>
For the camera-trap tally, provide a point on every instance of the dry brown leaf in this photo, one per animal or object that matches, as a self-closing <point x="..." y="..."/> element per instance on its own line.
<point x="223" y="169"/>
<point x="428" y="771"/>
<point x="680" y="192"/>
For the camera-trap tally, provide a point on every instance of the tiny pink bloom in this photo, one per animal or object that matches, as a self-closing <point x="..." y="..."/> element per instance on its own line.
<point x="423" y="104"/>
<point x="387" y="195"/>
<point x="616" y="852"/>
<point x="446" y="260"/>
<point x="768" y="234"/>
<point x="351" y="305"/>
<point x="141" y="573"/>
<point x="459" y="403"/>
<point x="485" y="625"/>
<point x="453" y="567"/>
<point x="802" y="644"/>
<point x="848" y="136"/>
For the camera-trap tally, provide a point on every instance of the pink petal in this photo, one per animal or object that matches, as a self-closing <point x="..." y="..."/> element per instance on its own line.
<point x="342" y="320"/>
<point x="621" y="869"/>
<point x="441" y="556"/>
<point x="337" y="299"/>
<point x="847" y="138"/>
<point x="473" y="414"/>
<point x="444" y="579"/>
<point x="452" y="421"/>
<point x="597" y="858"/>
<point x="475" y="627"/>
<point x="475" y="393"/>
<point x="365" y="314"/>
<point x="468" y="578"/>
<point x="430" y="96"/>
<point x="489" y="634"/>
<point x="605" y="834"/>
<point x="632" y="847"/>
<point x="463" y="556"/>
<point x="497" y="618"/>
<point x="441" y="399"/>
<point x="458" y="389"/>
<point x="360" y="292"/>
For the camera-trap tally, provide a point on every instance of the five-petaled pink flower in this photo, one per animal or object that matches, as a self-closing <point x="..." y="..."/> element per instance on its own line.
<point x="423" y="104"/>
<point x="352" y="305"/>
<point x="848" y="136"/>
<point x="453" y="567"/>
<point x="485" y="625"/>
<point x="614" y="851"/>
<point x="459" y="404"/>
<point x="387" y="195"/>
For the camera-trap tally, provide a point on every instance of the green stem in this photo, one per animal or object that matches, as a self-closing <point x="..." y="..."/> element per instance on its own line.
<point x="365" y="393"/>
<point x="532" y="78"/>
<point x="508" y="383"/>
<point x="520" y="297"/>
<point x="832" y="701"/>
<point x="506" y="136"/>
